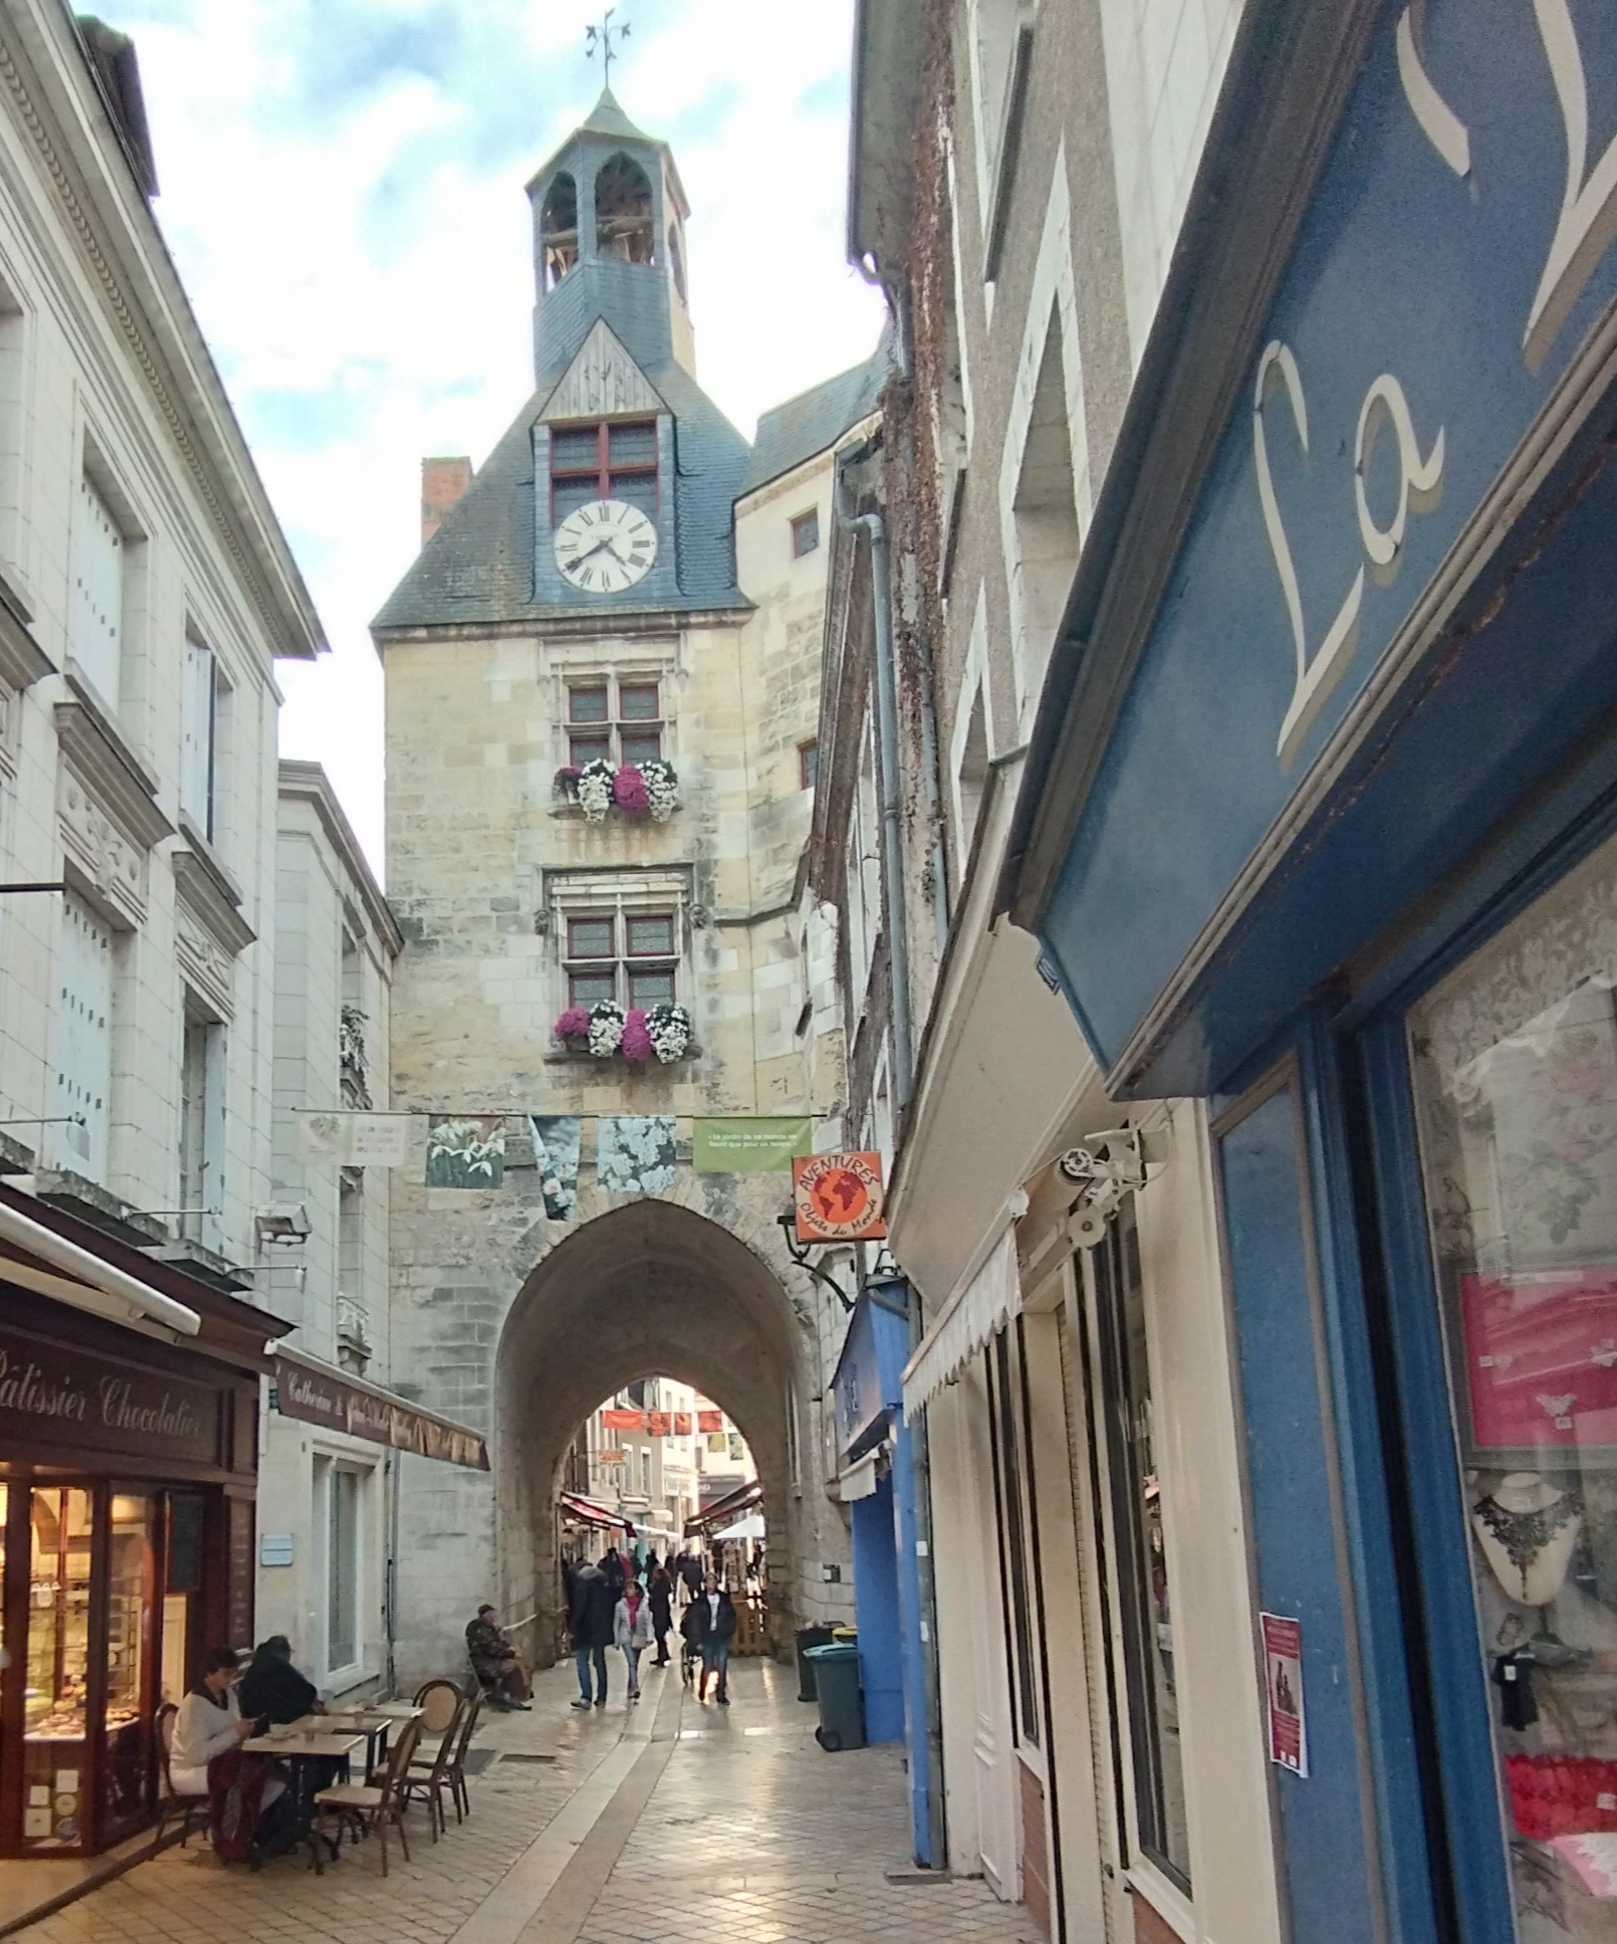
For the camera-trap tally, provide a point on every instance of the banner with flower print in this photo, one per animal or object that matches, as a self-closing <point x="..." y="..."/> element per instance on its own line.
<point x="682" y="1424"/>
<point x="555" y="1155"/>
<point x="466" y="1152"/>
<point x="634" y="1153"/>
<point x="658" y="1424"/>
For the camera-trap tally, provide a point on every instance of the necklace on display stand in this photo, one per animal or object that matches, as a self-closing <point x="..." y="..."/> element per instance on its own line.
<point x="1527" y="1529"/>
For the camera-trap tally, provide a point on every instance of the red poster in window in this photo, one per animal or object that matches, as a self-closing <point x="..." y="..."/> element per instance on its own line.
<point x="1283" y="1691"/>
<point x="682" y="1424"/>
<point x="710" y="1420"/>
<point x="839" y="1197"/>
<point x="657" y="1424"/>
<point x="1541" y="1358"/>
<point x="623" y="1420"/>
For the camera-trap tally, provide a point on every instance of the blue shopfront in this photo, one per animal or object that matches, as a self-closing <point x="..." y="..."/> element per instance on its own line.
<point x="877" y="1475"/>
<point x="1320" y="826"/>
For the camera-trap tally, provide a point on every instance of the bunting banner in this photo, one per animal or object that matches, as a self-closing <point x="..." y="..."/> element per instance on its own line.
<point x="341" y="1139"/>
<point x="468" y="1152"/>
<point x="759" y="1144"/>
<point x="738" y="1447"/>
<point x="658" y="1424"/>
<point x="710" y="1420"/>
<point x="682" y="1424"/>
<point x="717" y="1442"/>
<point x="634" y="1153"/>
<point x="555" y="1155"/>
<point x="623" y="1420"/>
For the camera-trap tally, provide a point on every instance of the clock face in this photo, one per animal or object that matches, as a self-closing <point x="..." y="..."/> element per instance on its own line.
<point x="605" y="547"/>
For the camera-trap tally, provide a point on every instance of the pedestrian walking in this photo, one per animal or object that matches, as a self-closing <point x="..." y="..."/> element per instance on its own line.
<point x="712" y="1625"/>
<point x="631" y="1629"/>
<point x="591" y="1626"/>
<point x="660" y="1594"/>
<point x="693" y="1575"/>
<point x="615" y="1570"/>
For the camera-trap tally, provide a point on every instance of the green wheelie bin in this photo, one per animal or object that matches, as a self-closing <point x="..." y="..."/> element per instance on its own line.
<point x="808" y="1637"/>
<point x="842" y="1705"/>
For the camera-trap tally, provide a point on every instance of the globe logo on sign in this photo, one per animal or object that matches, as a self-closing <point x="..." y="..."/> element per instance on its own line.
<point x="839" y="1197"/>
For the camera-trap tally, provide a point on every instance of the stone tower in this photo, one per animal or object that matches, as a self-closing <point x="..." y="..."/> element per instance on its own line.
<point x="602" y="679"/>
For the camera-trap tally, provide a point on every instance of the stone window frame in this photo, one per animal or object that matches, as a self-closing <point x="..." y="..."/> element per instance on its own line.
<point x="622" y="895"/>
<point x="616" y="664"/>
<point x="621" y="732"/>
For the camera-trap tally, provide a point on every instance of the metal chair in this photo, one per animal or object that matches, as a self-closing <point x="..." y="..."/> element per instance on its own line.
<point x="429" y="1775"/>
<point x="170" y="1805"/>
<point x="458" y="1790"/>
<point x="358" y="1806"/>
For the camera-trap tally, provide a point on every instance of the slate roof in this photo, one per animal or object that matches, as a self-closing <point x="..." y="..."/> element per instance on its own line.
<point x="479" y="566"/>
<point x="605" y="119"/>
<point x="816" y="419"/>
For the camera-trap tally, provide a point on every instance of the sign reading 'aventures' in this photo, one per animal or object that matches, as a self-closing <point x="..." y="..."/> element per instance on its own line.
<point x="53" y="1395"/>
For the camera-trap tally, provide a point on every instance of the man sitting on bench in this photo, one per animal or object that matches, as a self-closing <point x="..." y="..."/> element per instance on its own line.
<point x="501" y="1675"/>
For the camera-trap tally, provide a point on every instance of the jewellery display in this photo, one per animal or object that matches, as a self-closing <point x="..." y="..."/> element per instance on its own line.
<point x="1534" y="1526"/>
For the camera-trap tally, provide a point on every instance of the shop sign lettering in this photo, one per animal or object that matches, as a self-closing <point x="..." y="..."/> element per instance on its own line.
<point x="62" y="1396"/>
<point x="317" y="1399"/>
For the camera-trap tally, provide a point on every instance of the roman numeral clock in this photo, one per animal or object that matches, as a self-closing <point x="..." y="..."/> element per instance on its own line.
<point x="605" y="547"/>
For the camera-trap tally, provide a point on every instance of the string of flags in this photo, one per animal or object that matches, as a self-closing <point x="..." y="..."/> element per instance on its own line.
<point x="838" y="1197"/>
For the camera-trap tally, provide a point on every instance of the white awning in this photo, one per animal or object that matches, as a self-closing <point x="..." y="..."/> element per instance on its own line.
<point x="981" y="1307"/>
<point x="84" y="1281"/>
<point x="859" y="1480"/>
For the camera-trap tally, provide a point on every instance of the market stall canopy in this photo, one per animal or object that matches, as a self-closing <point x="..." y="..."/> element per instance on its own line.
<point x="729" y="1507"/>
<point x="587" y="1512"/>
<point x="751" y="1527"/>
<point x="314" y="1392"/>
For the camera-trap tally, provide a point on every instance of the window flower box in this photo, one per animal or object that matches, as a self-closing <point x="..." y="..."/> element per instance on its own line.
<point x="636" y="790"/>
<point x="660" y="1035"/>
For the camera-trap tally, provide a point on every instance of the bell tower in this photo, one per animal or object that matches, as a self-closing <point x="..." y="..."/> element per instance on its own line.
<point x="609" y="218"/>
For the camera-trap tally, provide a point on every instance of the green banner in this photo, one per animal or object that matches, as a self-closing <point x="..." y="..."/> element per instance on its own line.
<point x="756" y="1144"/>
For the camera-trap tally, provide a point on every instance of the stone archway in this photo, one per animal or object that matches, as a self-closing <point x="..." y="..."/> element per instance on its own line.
<point x="649" y="1289"/>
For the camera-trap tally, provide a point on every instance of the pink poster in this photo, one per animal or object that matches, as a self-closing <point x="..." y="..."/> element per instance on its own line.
<point x="1283" y="1692"/>
<point x="1541" y="1358"/>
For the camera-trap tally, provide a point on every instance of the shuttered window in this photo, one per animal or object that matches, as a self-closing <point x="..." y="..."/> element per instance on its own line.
<point x="96" y="596"/>
<point x="81" y="1040"/>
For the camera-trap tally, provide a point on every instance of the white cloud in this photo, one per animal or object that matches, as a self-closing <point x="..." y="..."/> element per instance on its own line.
<point x="342" y="188"/>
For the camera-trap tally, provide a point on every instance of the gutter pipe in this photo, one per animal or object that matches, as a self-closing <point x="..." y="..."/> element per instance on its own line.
<point x="111" y="1293"/>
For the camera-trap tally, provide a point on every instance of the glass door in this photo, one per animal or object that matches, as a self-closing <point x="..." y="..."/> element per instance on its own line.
<point x="125" y="1764"/>
<point x="55" y="1746"/>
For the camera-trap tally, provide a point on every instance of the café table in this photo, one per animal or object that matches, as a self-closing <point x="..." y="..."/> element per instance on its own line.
<point x="299" y="1746"/>
<point x="373" y="1723"/>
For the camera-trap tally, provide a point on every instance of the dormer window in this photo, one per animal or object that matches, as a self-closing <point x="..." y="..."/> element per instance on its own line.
<point x="558" y="229"/>
<point x="611" y="460"/>
<point x="624" y="226"/>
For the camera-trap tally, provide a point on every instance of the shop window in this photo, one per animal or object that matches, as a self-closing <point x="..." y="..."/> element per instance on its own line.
<point x="624" y="225"/>
<point x="614" y="721"/>
<point x="805" y="533"/>
<point x="1016" y="1564"/>
<point x="1145" y="1606"/>
<point x="1514" y="1062"/>
<point x="626" y="955"/>
<point x="558" y="229"/>
<point x="55" y="1709"/>
<point x="81" y="1040"/>
<point x="342" y="1567"/>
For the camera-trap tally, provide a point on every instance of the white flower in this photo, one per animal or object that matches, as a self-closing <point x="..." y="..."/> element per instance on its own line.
<point x="662" y="788"/>
<point x="670" y="1030"/>
<point x="606" y="1028"/>
<point x="595" y="790"/>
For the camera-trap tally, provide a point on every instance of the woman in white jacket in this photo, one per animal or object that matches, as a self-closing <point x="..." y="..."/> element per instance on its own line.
<point x="208" y="1725"/>
<point x="631" y="1629"/>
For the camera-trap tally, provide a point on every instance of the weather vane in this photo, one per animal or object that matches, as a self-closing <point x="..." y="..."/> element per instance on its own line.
<point x="600" y="40"/>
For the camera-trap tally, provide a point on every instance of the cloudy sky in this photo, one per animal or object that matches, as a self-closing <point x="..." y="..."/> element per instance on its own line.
<point x="342" y="186"/>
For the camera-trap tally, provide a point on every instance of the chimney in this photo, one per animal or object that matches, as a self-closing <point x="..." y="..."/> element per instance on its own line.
<point x="442" y="483"/>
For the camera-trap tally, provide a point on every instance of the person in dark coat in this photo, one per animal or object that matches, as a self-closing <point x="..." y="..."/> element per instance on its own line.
<point x="693" y="1575"/>
<point x="661" y="1595"/>
<point x="590" y="1624"/>
<point x="710" y="1627"/>
<point x="272" y="1688"/>
<point x="615" y="1570"/>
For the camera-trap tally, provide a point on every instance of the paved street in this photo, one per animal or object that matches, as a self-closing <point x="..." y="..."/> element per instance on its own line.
<point x="597" y="1829"/>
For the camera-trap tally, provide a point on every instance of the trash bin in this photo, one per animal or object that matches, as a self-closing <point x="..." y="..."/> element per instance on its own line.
<point x="842" y="1706"/>
<point x="808" y="1637"/>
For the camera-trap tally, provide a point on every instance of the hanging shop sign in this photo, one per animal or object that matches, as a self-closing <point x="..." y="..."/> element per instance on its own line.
<point x="611" y="1457"/>
<point x="759" y="1144"/>
<point x="316" y="1397"/>
<point x="1363" y="596"/>
<point x="839" y="1198"/>
<point x="616" y="1420"/>
<point x="354" y="1140"/>
<point x="54" y="1395"/>
<point x="1283" y="1692"/>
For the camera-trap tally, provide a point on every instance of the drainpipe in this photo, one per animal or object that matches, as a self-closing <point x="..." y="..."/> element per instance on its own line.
<point x="874" y="527"/>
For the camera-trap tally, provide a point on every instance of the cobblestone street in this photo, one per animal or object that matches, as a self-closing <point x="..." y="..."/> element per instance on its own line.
<point x="596" y="1829"/>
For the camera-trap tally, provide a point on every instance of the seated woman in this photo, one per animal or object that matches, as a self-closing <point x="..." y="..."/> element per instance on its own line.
<point x="206" y="1758"/>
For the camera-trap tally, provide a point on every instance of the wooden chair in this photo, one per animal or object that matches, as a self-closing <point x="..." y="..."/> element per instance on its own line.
<point x="358" y="1806"/>
<point x="458" y="1790"/>
<point x="439" y="1702"/>
<point x="429" y="1775"/>
<point x="170" y="1805"/>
